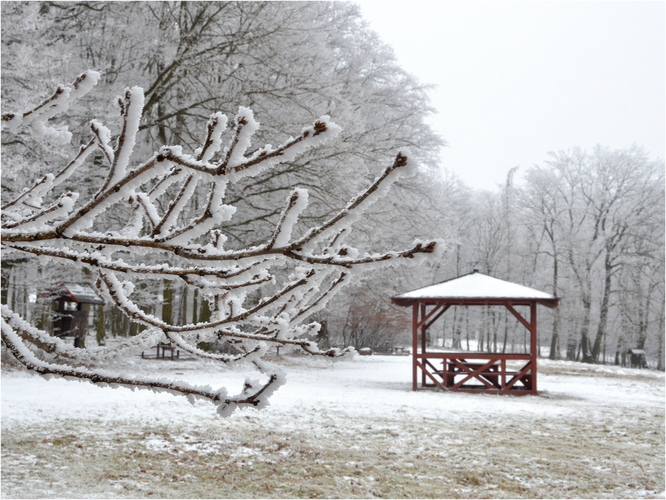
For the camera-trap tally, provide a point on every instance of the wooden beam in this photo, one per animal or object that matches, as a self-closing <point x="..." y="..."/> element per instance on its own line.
<point x="518" y="316"/>
<point x="427" y="316"/>
<point x="472" y="373"/>
<point x="431" y="376"/>
<point x="520" y="375"/>
<point x="446" y="308"/>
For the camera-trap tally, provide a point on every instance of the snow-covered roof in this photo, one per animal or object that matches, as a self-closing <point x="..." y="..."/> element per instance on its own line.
<point x="78" y="292"/>
<point x="476" y="287"/>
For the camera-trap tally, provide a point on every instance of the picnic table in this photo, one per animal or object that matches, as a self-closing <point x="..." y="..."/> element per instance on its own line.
<point x="161" y="352"/>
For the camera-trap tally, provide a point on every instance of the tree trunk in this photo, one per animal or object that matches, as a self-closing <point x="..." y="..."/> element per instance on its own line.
<point x="457" y="333"/>
<point x="322" y="337"/>
<point x="643" y="322"/>
<point x="506" y="332"/>
<point x="467" y="330"/>
<point x="167" y="301"/>
<point x="99" y="326"/>
<point x="6" y="271"/>
<point x="555" y="339"/>
<point x="586" y="352"/>
<point x="204" y="311"/>
<point x="603" y="314"/>
<point x="183" y="310"/>
<point x="660" y="354"/>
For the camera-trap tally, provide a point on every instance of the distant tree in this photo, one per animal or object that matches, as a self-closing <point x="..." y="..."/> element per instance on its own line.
<point x="259" y="295"/>
<point x="598" y="218"/>
<point x="291" y="60"/>
<point x="369" y="320"/>
<point x="542" y="206"/>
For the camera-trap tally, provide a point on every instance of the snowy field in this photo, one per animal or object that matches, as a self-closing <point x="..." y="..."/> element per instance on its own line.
<point x="340" y="429"/>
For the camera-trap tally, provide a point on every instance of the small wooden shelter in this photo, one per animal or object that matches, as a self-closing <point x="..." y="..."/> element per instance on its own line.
<point x="488" y="372"/>
<point x="72" y="308"/>
<point x="637" y="358"/>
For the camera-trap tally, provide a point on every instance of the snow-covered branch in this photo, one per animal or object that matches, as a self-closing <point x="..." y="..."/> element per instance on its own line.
<point x="178" y="215"/>
<point x="37" y="117"/>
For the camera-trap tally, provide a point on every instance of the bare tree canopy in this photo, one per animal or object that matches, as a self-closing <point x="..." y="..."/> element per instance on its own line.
<point x="157" y="242"/>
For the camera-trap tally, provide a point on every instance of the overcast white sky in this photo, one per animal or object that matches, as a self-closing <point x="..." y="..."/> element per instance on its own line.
<point x="517" y="79"/>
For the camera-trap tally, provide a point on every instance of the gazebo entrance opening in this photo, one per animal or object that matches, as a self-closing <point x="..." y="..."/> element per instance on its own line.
<point x="487" y="372"/>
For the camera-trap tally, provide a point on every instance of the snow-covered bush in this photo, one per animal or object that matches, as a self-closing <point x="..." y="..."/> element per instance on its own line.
<point x="258" y="295"/>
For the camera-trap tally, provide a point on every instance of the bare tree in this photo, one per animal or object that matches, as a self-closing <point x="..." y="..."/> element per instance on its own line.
<point x="253" y="302"/>
<point x="598" y="219"/>
<point x="287" y="61"/>
<point x="541" y="205"/>
<point x="624" y="190"/>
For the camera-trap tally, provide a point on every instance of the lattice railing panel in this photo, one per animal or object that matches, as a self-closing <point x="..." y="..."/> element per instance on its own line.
<point x="495" y="373"/>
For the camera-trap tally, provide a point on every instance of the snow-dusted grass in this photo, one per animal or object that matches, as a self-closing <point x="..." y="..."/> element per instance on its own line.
<point x="338" y="429"/>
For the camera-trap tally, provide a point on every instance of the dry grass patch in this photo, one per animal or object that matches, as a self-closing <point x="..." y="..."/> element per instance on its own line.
<point x="582" y="438"/>
<point x="389" y="458"/>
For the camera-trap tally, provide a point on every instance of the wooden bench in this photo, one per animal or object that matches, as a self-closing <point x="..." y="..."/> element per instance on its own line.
<point x="175" y="353"/>
<point x="490" y="374"/>
<point x="161" y="351"/>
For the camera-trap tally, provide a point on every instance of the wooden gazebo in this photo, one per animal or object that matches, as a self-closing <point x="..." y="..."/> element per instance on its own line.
<point x="485" y="372"/>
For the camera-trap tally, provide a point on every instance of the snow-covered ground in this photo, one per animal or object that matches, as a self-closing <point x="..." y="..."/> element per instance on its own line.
<point x="350" y="428"/>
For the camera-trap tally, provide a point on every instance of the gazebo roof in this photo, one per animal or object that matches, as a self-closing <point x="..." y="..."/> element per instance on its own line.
<point x="476" y="288"/>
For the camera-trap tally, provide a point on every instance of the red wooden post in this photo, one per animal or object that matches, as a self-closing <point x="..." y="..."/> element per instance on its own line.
<point x="534" y="342"/>
<point x="424" y="348"/>
<point x="415" y="344"/>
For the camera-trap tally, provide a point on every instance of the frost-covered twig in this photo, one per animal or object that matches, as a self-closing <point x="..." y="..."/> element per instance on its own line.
<point x="58" y="103"/>
<point x="178" y="215"/>
<point x="32" y="197"/>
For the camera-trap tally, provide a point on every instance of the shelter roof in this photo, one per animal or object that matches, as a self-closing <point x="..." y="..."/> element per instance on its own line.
<point x="476" y="288"/>
<point x="76" y="292"/>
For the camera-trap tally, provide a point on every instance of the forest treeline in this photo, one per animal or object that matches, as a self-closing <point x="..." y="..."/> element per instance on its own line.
<point x="586" y="226"/>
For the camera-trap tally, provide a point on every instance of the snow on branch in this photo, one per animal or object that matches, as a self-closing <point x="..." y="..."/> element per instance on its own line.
<point x="37" y="117"/>
<point x="178" y="213"/>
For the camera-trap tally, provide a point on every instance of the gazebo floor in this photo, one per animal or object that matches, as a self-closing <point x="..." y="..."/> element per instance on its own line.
<point x="515" y="391"/>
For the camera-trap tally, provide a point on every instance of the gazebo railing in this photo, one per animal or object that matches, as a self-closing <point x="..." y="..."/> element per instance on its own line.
<point x="476" y="372"/>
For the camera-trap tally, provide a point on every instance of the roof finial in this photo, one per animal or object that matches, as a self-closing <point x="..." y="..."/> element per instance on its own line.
<point x="475" y="271"/>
